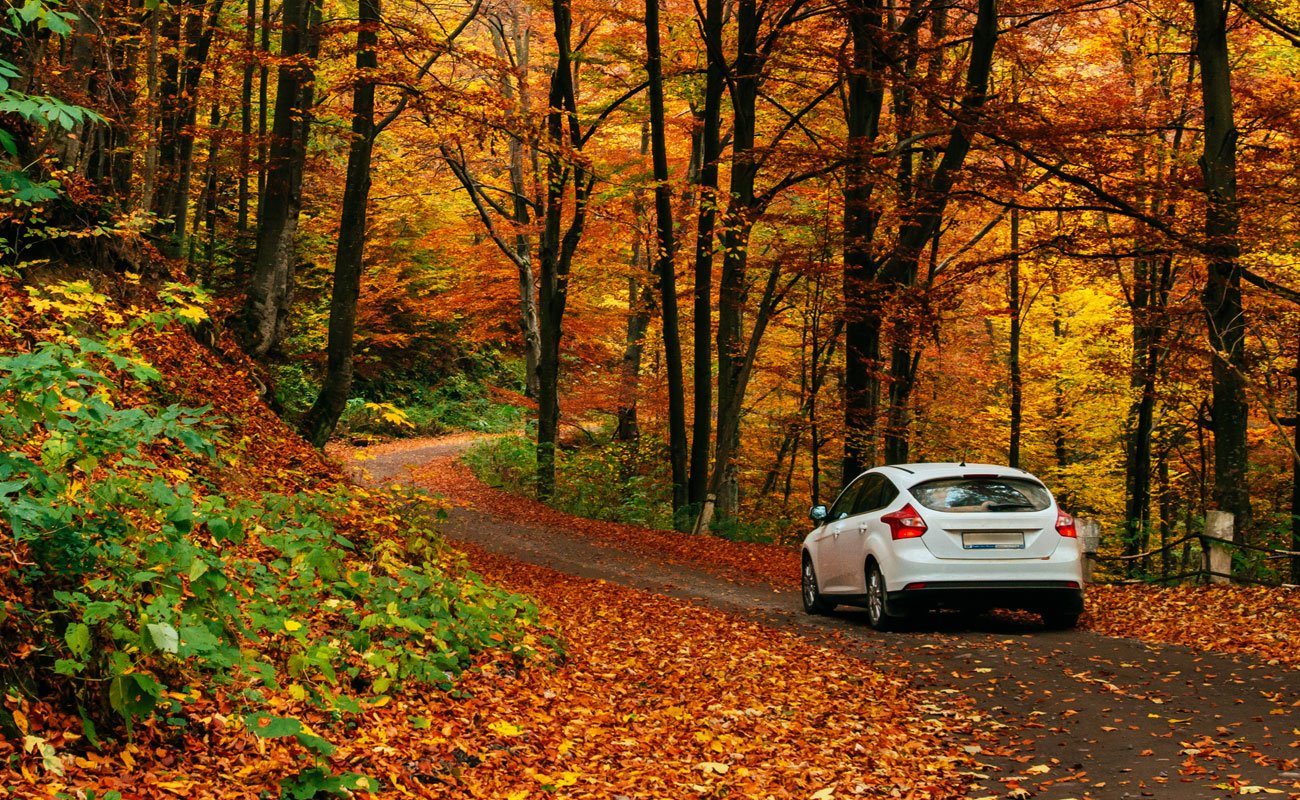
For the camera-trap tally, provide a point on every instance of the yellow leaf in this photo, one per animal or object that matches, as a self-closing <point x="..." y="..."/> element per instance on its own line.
<point x="823" y="794"/>
<point x="522" y="794"/>
<point x="712" y="767"/>
<point x="20" y="720"/>
<point x="192" y="313"/>
<point x="1038" y="769"/>
<point x="292" y="625"/>
<point x="502" y="728"/>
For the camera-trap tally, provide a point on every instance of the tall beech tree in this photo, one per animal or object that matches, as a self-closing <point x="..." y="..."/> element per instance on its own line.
<point x="665" y="247"/>
<point x="761" y="30"/>
<point x="188" y="30"/>
<point x="864" y="100"/>
<point x="709" y="120"/>
<point x="1224" y="311"/>
<point x="349" y="264"/>
<point x="874" y="284"/>
<point x="271" y="286"/>
<point x="920" y="222"/>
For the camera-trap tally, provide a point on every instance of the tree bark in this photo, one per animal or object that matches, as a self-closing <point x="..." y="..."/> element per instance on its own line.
<point x="1221" y="297"/>
<point x="710" y="155"/>
<point x="269" y="294"/>
<point x="558" y="242"/>
<point x="665" y="247"/>
<point x="349" y="263"/>
<point x="921" y="222"/>
<point x="1017" y="387"/>
<point x="864" y="101"/>
<point x="190" y="36"/>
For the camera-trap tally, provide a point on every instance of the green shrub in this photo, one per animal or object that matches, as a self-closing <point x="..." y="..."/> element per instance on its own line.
<point x="457" y="404"/>
<point x="135" y="585"/>
<point x="609" y="480"/>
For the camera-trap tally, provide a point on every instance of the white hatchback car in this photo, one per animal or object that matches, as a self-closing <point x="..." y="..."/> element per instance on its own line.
<point x="909" y="537"/>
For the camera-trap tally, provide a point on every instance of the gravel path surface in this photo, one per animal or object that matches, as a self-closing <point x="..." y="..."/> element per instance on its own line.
<point x="1074" y="714"/>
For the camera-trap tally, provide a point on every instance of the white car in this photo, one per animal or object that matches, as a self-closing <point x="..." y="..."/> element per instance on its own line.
<point x="910" y="537"/>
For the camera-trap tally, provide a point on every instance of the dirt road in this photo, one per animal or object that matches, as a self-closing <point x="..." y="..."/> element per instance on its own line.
<point x="1107" y="717"/>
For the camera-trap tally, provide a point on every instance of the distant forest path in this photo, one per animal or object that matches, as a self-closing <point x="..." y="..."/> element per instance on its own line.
<point x="1067" y="714"/>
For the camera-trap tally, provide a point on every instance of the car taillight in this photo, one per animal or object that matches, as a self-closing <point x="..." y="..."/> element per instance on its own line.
<point x="904" y="523"/>
<point x="1065" y="525"/>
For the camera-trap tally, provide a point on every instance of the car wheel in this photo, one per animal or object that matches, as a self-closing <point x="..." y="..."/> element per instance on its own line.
<point x="813" y="602"/>
<point x="878" y="613"/>
<point x="1057" y="620"/>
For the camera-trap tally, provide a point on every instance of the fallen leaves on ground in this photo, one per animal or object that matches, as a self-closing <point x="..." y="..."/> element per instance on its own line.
<point x="766" y="563"/>
<point x="1259" y="621"/>
<point x="660" y="698"/>
<point x="652" y="698"/>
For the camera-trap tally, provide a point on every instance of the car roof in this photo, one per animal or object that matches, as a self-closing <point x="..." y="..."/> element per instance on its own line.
<point x="912" y="474"/>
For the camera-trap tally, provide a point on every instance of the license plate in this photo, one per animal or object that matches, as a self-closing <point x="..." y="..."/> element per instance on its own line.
<point x="993" y="540"/>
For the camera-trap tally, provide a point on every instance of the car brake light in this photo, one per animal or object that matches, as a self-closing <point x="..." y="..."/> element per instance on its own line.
<point x="1065" y="525"/>
<point x="904" y="523"/>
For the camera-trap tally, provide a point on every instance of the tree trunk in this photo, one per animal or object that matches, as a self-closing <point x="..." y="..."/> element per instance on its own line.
<point x="638" y="317"/>
<point x="1221" y="296"/>
<point x="267" y="307"/>
<point x="920" y="224"/>
<point x="710" y="155"/>
<point x="665" y="247"/>
<point x="1295" y="479"/>
<point x="558" y="244"/>
<point x="522" y="217"/>
<point x="865" y="99"/>
<point x="349" y="263"/>
<point x="732" y="285"/>
<point x="1017" y="388"/>
<point x="246" y="119"/>
<point x="190" y="38"/>
<point x="124" y="94"/>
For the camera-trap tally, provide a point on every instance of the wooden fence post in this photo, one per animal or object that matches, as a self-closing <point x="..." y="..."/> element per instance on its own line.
<point x="1089" y="540"/>
<point x="1218" y="529"/>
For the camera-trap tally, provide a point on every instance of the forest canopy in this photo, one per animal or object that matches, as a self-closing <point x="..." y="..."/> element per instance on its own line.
<point x="758" y="246"/>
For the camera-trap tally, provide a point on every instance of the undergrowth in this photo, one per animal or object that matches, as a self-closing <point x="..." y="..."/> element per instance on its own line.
<point x="133" y="587"/>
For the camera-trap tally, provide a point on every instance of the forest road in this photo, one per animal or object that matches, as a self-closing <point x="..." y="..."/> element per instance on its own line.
<point x="1107" y="717"/>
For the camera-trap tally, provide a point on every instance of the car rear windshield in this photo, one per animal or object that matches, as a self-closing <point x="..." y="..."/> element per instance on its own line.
<point x="975" y="494"/>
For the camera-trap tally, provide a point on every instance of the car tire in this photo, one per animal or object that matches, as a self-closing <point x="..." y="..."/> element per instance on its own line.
<point x="813" y="602"/>
<point x="879" y="615"/>
<point x="1057" y="620"/>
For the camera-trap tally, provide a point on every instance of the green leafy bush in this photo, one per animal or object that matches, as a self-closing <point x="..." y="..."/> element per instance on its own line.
<point x="608" y="480"/>
<point x="134" y="586"/>
<point x="456" y="404"/>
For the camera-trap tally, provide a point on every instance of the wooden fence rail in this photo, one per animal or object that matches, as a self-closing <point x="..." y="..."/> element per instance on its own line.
<point x="1216" y="545"/>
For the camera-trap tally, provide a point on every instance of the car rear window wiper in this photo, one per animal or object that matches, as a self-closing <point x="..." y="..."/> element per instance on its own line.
<point x="1010" y="506"/>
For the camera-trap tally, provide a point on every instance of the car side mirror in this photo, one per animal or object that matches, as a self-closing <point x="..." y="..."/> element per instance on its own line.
<point x="818" y="514"/>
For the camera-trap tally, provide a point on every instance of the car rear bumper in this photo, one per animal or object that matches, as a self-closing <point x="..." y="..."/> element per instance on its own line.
<point x="1059" y="596"/>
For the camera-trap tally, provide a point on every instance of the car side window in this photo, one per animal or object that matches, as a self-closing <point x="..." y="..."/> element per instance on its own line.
<point x="844" y="505"/>
<point x="880" y="493"/>
<point x="888" y="493"/>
